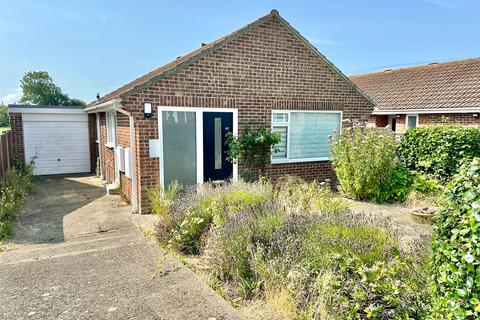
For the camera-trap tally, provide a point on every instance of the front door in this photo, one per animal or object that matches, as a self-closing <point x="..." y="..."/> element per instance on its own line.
<point x="215" y="163"/>
<point x="394" y="123"/>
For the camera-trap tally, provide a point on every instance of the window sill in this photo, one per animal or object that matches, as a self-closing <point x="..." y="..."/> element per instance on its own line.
<point x="280" y="161"/>
<point x="110" y="145"/>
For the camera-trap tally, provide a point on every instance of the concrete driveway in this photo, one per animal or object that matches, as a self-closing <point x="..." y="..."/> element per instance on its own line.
<point x="78" y="255"/>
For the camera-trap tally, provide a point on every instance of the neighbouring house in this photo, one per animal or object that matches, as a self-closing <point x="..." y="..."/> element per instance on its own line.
<point x="437" y="93"/>
<point x="170" y="124"/>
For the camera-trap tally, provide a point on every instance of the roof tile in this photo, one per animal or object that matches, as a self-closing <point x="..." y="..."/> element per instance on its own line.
<point x="454" y="84"/>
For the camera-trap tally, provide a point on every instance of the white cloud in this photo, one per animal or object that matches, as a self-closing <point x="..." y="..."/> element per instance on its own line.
<point x="322" y="41"/>
<point x="13" y="97"/>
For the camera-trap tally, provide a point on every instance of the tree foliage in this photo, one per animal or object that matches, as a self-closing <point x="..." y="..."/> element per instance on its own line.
<point x="4" y="116"/>
<point x="38" y="88"/>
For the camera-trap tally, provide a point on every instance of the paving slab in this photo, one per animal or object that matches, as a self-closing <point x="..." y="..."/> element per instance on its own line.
<point x="77" y="255"/>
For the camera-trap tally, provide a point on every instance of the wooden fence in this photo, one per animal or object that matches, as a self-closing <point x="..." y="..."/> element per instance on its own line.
<point x="5" y="143"/>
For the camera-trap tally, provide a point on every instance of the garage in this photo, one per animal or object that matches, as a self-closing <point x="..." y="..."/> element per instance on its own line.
<point x="56" y="139"/>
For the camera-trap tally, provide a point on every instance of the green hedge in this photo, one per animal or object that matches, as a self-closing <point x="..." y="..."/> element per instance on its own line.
<point x="456" y="248"/>
<point x="439" y="150"/>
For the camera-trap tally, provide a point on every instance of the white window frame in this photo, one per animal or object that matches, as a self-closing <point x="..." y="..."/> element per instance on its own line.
<point x="411" y="115"/>
<point x="97" y="127"/>
<point x="111" y="132"/>
<point x="198" y="135"/>
<point x="287" y="124"/>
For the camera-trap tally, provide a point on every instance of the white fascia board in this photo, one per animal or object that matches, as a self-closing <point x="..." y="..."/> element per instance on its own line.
<point x="426" y="111"/>
<point x="44" y="110"/>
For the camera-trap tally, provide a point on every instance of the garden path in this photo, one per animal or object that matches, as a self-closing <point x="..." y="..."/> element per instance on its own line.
<point x="410" y="229"/>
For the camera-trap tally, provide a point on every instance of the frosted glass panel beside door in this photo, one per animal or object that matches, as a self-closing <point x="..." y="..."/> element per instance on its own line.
<point x="179" y="147"/>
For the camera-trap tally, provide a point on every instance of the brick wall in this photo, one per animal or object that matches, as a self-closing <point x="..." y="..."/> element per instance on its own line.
<point x="379" y="121"/>
<point x="108" y="163"/>
<point x="266" y="68"/>
<point x="123" y="140"/>
<point x="464" y="119"/>
<point x="16" y="126"/>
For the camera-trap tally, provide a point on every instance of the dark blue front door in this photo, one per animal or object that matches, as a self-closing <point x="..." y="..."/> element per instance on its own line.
<point x="215" y="163"/>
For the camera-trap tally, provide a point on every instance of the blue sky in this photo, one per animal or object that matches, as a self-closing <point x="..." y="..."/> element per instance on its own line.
<point x="96" y="46"/>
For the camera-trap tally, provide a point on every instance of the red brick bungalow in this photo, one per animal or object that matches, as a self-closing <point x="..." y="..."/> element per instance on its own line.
<point x="431" y="94"/>
<point x="170" y="123"/>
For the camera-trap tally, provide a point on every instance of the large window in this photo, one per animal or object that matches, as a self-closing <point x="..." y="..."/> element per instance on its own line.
<point x="304" y="134"/>
<point x="111" y="129"/>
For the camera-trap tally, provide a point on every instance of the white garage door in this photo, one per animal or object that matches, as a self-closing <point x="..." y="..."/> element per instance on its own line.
<point x="57" y="142"/>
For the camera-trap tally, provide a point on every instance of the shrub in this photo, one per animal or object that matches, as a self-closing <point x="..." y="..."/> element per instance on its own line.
<point x="343" y="266"/>
<point x="439" y="150"/>
<point x="229" y="249"/>
<point x="323" y="260"/>
<point x="366" y="165"/>
<point x="161" y="198"/>
<point x="192" y="213"/>
<point x="396" y="288"/>
<point x="297" y="196"/>
<point x="253" y="149"/>
<point x="12" y="192"/>
<point x="456" y="248"/>
<point x="425" y="191"/>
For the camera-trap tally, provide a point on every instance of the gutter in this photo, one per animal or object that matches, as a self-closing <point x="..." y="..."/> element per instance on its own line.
<point x="426" y="111"/>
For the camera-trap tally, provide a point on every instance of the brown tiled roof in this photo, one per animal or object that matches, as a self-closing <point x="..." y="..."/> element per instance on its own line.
<point x="205" y="49"/>
<point x="454" y="84"/>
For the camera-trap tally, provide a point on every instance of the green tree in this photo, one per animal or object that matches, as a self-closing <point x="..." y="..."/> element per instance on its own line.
<point x="38" y="88"/>
<point x="4" y="116"/>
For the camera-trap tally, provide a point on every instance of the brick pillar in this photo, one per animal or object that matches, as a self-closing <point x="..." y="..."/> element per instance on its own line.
<point x="16" y="126"/>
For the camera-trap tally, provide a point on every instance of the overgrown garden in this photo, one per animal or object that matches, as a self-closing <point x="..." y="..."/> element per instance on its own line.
<point x="296" y="245"/>
<point x="13" y="190"/>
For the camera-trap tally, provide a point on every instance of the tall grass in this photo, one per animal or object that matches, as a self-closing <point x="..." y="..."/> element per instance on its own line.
<point x="297" y="245"/>
<point x="13" y="190"/>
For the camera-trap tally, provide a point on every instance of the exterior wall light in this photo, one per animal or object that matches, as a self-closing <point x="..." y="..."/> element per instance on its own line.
<point x="475" y="115"/>
<point x="147" y="110"/>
